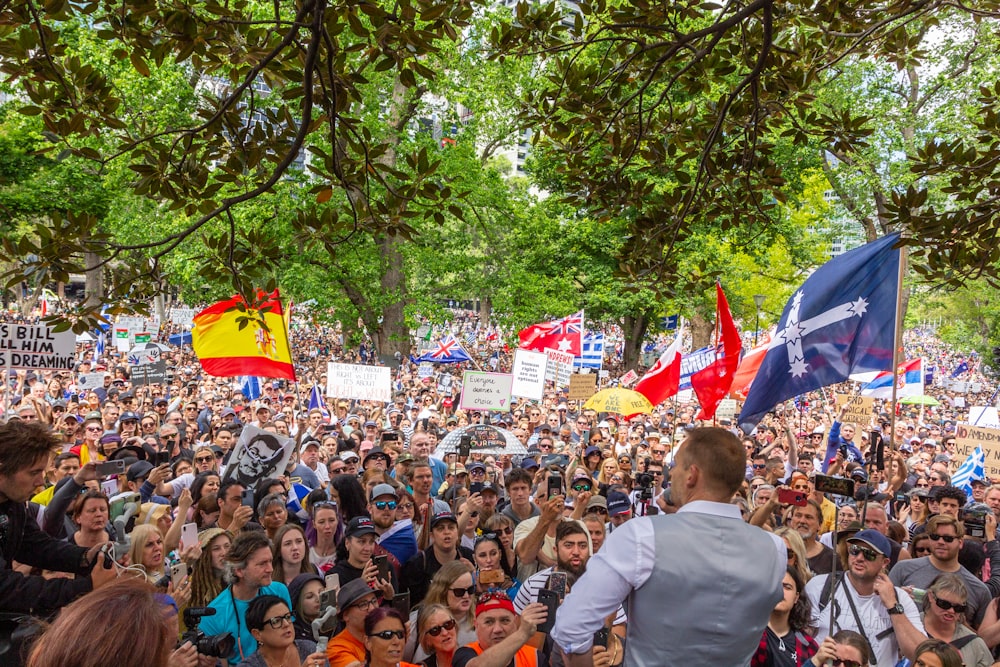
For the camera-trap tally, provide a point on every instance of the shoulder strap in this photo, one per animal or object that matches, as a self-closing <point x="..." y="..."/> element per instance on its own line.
<point x="832" y="581"/>
<point x="962" y="641"/>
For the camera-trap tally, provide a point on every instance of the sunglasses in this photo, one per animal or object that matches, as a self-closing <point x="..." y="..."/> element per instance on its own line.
<point x="581" y="487"/>
<point x="759" y="466"/>
<point x="95" y="429"/>
<point x="436" y="630"/>
<point x="869" y="554"/>
<point x="204" y="459"/>
<point x="389" y="634"/>
<point x="944" y="604"/>
<point x="383" y="504"/>
<point x="839" y="662"/>
<point x="278" y="621"/>
<point x="948" y="539"/>
<point x="462" y="592"/>
<point x="597" y="510"/>
<point x="923" y="551"/>
<point x="505" y="531"/>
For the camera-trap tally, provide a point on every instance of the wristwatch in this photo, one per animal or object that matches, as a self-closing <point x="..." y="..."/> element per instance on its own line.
<point x="895" y="609"/>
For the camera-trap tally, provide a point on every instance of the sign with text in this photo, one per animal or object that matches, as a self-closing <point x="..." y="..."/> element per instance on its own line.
<point x="581" y="386"/>
<point x="529" y="374"/>
<point x="122" y="342"/>
<point x="365" y="383"/>
<point x="425" y="370"/>
<point x="147" y="374"/>
<point x="486" y="391"/>
<point x="985" y="416"/>
<point x="559" y="366"/>
<point x="967" y="438"/>
<point x="860" y="409"/>
<point x="727" y="409"/>
<point x="90" y="381"/>
<point x="183" y="317"/>
<point x="627" y="379"/>
<point x="37" y="347"/>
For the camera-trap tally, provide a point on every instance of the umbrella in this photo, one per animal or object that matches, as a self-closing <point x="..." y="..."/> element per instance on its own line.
<point x="619" y="401"/>
<point x="922" y="399"/>
<point x="146" y="353"/>
<point x="486" y="439"/>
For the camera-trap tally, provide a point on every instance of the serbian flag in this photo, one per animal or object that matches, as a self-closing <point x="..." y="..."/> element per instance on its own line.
<point x="749" y="366"/>
<point x="225" y="350"/>
<point x="911" y="382"/>
<point x="712" y="383"/>
<point x="663" y="380"/>
<point x="565" y="335"/>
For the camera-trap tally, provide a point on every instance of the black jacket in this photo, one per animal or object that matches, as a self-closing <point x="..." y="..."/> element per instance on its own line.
<point x="22" y="540"/>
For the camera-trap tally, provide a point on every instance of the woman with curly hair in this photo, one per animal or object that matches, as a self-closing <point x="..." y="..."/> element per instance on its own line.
<point x="785" y="641"/>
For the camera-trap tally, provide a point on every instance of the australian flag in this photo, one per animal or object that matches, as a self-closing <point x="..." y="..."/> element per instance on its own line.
<point x="449" y="351"/>
<point x="840" y="321"/>
<point x="961" y="368"/>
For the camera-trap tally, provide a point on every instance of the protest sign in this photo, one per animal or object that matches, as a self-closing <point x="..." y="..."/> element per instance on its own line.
<point x="860" y="409"/>
<point x="122" y="343"/>
<point x="147" y="374"/>
<point x="485" y="391"/>
<point x="968" y="437"/>
<point x="984" y="416"/>
<point x="559" y="366"/>
<point x="627" y="379"/>
<point x="581" y="386"/>
<point x="726" y="410"/>
<point x="90" y="381"/>
<point x="444" y="383"/>
<point x="529" y="374"/>
<point x="184" y="317"/>
<point x="258" y="455"/>
<point x="425" y="370"/>
<point x="365" y="383"/>
<point x="37" y="347"/>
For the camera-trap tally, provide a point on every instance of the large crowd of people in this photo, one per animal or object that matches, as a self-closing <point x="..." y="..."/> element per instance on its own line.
<point x="125" y="542"/>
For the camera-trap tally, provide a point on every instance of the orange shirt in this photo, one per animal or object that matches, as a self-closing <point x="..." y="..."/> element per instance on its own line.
<point x="344" y="649"/>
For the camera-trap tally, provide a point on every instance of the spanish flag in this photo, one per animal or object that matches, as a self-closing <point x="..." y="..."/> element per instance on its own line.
<point x="226" y="350"/>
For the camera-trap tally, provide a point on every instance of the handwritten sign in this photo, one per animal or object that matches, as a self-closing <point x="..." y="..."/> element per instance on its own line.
<point x="529" y="374"/>
<point x="486" y="391"/>
<point x="627" y="379"/>
<point x="860" y="409"/>
<point x="726" y="410"/>
<point x="36" y="346"/>
<point x="581" y="386"/>
<point x="183" y="317"/>
<point x="559" y="366"/>
<point x="967" y="438"/>
<point x="364" y="383"/>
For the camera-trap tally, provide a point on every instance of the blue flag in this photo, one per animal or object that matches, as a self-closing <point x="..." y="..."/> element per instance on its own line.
<point x="840" y="321"/>
<point x="974" y="467"/>
<point x="449" y="351"/>
<point x="961" y="368"/>
<point x="250" y="386"/>
<point x="316" y="400"/>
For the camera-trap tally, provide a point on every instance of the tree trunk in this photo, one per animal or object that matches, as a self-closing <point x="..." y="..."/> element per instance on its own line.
<point x="94" y="285"/>
<point x="392" y="335"/>
<point x="634" y="329"/>
<point x="485" y="311"/>
<point x="701" y="331"/>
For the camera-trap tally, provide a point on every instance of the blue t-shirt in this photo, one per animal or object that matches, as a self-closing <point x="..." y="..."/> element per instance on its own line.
<point x="226" y="607"/>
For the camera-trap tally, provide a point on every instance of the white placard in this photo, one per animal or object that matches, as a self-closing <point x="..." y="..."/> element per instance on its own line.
<point x="425" y="370"/>
<point x="559" y="366"/>
<point x="529" y="374"/>
<point x="985" y="417"/>
<point x="90" y="381"/>
<point x="122" y="341"/>
<point x="183" y="316"/>
<point x="726" y="410"/>
<point x="365" y="383"/>
<point x="486" y="391"/>
<point x="37" y="347"/>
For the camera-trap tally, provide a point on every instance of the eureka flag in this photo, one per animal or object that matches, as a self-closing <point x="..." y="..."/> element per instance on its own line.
<point x="225" y="349"/>
<point x="840" y="321"/>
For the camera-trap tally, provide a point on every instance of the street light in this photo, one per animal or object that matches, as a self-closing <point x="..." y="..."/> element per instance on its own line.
<point x="758" y="300"/>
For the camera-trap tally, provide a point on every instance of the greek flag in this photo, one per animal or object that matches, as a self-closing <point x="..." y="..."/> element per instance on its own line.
<point x="250" y="386"/>
<point x="592" y="352"/>
<point x="973" y="467"/>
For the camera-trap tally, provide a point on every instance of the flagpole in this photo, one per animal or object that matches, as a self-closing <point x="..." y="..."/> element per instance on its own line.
<point x="897" y="347"/>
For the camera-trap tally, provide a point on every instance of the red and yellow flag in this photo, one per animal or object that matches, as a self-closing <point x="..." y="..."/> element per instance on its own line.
<point x="225" y="350"/>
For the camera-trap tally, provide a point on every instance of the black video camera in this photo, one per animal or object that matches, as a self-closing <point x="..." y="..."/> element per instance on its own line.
<point x="215" y="646"/>
<point x="644" y="481"/>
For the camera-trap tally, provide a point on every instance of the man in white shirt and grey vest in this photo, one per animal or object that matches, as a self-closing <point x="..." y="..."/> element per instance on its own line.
<point x="698" y="585"/>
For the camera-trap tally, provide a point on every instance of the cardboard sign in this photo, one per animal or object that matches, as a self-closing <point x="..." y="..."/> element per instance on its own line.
<point x="860" y="409"/>
<point x="365" y="383"/>
<point x="486" y="391"/>
<point x="559" y="367"/>
<point x="147" y="374"/>
<point x="581" y="386"/>
<point x="529" y="374"/>
<point x="967" y="438"/>
<point x="258" y="455"/>
<point x="627" y="379"/>
<point x="425" y="370"/>
<point x="36" y="347"/>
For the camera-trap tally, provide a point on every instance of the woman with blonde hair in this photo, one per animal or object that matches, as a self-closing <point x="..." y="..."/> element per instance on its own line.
<point x="796" y="552"/>
<point x="607" y="470"/>
<point x="451" y="587"/>
<point x="146" y="549"/>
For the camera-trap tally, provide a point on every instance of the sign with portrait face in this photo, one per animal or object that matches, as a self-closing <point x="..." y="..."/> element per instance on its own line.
<point x="259" y="454"/>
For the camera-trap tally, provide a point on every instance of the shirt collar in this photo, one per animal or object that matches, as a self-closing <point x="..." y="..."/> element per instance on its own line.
<point x="727" y="510"/>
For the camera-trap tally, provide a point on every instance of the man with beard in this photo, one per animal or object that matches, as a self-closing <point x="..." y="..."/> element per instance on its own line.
<point x="572" y="554"/>
<point x="399" y="541"/>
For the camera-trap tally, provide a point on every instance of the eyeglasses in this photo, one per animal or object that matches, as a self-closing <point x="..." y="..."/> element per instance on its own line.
<point x="436" y="630"/>
<point x="204" y="459"/>
<point x="369" y="604"/>
<point x="840" y="662"/>
<point x="922" y="486"/>
<point x="383" y="504"/>
<point x="95" y="429"/>
<point x="869" y="554"/>
<point x="944" y="604"/>
<point x="923" y="551"/>
<point x="581" y="487"/>
<point x="389" y="634"/>
<point x="948" y="539"/>
<point x="462" y="592"/>
<point x="278" y="621"/>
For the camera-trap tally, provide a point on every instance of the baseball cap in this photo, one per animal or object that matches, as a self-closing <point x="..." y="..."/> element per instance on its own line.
<point x="160" y="401"/>
<point x="359" y="525"/>
<point x="597" y="501"/>
<point x="489" y="486"/>
<point x="591" y="450"/>
<point x="443" y="516"/>
<point x="384" y="490"/>
<point x="618" y="504"/>
<point x="129" y="417"/>
<point x="228" y="412"/>
<point x="371" y="424"/>
<point x="349" y="455"/>
<point x="529" y="463"/>
<point x="875" y="540"/>
<point x="138" y="470"/>
<point x="476" y="466"/>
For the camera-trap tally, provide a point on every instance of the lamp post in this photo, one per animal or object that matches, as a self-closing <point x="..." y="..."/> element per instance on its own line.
<point x="758" y="300"/>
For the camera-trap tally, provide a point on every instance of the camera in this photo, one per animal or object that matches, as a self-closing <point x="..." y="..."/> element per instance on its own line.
<point x="645" y="483"/>
<point x="215" y="646"/>
<point x="974" y="520"/>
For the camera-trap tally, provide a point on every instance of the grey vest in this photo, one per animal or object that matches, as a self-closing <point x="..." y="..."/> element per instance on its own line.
<point x="712" y="590"/>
